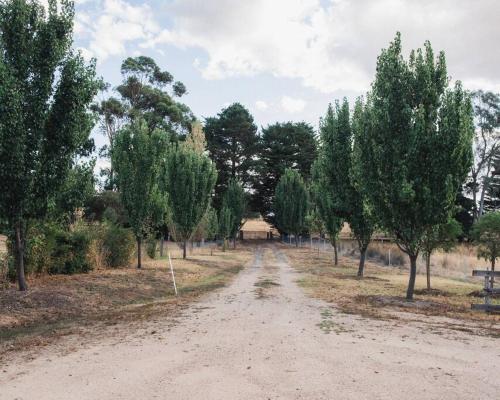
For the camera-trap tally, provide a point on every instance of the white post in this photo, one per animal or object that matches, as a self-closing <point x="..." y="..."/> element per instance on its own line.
<point x="172" y="272"/>
<point x="389" y="256"/>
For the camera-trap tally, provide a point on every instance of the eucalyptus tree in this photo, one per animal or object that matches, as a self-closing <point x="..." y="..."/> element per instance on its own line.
<point x="46" y="90"/>
<point x="189" y="181"/>
<point x="417" y="146"/>
<point x="291" y="204"/>
<point x="139" y="158"/>
<point x="236" y="201"/>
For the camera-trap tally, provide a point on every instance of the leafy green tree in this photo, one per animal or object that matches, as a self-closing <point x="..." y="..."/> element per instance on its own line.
<point x="486" y="232"/>
<point x="226" y="223"/>
<point x="291" y="204"/>
<point x="232" y="144"/>
<point x="282" y="145"/>
<point x="190" y="180"/>
<point x="322" y="199"/>
<point x="235" y="200"/>
<point x="149" y="93"/>
<point x="212" y="223"/>
<point x="442" y="236"/>
<point x="138" y="157"/>
<point x="416" y="150"/>
<point x="45" y="93"/>
<point x="339" y="194"/>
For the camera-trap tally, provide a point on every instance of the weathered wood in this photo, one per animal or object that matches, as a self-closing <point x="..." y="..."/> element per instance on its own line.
<point x="493" y="308"/>
<point x="477" y="272"/>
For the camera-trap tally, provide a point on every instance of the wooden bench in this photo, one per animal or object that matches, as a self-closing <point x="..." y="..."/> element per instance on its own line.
<point x="488" y="290"/>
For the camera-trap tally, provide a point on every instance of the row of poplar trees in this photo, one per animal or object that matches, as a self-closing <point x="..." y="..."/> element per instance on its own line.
<point x="394" y="162"/>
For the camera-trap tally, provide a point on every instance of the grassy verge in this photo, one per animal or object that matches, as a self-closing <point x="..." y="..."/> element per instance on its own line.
<point x="60" y="305"/>
<point x="381" y="293"/>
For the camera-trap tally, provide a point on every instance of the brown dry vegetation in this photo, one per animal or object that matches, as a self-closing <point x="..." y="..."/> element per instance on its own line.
<point x="381" y="293"/>
<point x="60" y="305"/>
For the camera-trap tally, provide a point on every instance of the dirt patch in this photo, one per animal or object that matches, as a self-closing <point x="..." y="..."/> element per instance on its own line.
<point x="380" y="294"/>
<point x="60" y="305"/>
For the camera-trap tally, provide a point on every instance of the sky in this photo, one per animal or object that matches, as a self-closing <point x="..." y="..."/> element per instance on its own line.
<point x="285" y="60"/>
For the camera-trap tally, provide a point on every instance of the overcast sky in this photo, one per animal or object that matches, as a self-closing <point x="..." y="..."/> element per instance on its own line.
<point x="285" y="59"/>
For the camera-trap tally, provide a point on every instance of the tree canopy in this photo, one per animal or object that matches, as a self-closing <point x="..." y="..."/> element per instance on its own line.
<point x="190" y="180"/>
<point x="486" y="232"/>
<point x="291" y="204"/>
<point x="416" y="150"/>
<point x="232" y="145"/>
<point x="45" y="95"/>
<point x="282" y="145"/>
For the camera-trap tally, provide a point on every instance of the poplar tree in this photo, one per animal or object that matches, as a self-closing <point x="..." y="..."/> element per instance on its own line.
<point x="190" y="179"/>
<point x="225" y="225"/>
<point x="235" y="200"/>
<point x="45" y="94"/>
<point x="291" y="204"/>
<point x="417" y="146"/>
<point x="138" y="157"/>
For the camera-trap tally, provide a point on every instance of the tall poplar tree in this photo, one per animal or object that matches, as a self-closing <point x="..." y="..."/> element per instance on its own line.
<point x="139" y="157"/>
<point x="190" y="180"/>
<point x="45" y="94"/>
<point x="417" y="146"/>
<point x="291" y="204"/>
<point x="235" y="200"/>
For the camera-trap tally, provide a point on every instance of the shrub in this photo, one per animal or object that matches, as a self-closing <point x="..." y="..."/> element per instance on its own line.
<point x="70" y="252"/>
<point x="151" y="247"/>
<point x="119" y="245"/>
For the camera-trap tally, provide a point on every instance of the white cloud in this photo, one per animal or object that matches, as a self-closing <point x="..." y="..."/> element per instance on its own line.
<point x="261" y="105"/>
<point x="331" y="45"/>
<point x="117" y="24"/>
<point x="292" y="105"/>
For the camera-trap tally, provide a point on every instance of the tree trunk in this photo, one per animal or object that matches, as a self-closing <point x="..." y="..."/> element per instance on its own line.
<point x="184" y="247"/>
<point x="224" y="244"/>
<point x="413" y="274"/>
<point x="19" y="243"/>
<point x="234" y="242"/>
<point x="139" y="250"/>
<point x="362" y="257"/>
<point x="161" y="245"/>
<point x="296" y="241"/>
<point x="335" y="253"/>
<point x="428" y="270"/>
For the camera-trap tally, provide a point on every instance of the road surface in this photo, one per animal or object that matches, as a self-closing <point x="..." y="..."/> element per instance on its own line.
<point x="262" y="338"/>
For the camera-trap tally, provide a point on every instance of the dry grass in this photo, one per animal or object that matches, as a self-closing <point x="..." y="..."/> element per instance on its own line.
<point x="56" y="305"/>
<point x="381" y="293"/>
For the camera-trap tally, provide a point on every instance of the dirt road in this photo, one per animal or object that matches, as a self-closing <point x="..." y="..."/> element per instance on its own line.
<point x="261" y="338"/>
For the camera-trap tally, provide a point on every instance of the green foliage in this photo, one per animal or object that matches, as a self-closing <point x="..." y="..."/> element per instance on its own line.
<point x="139" y="158"/>
<point x="235" y="200"/>
<point x="416" y="145"/>
<point x="232" y="144"/>
<point x="212" y="224"/>
<point x="486" y="232"/>
<point x="282" y="145"/>
<point x="226" y="224"/>
<point x="151" y="246"/>
<point x="291" y="203"/>
<point x="105" y="205"/>
<point x="189" y="179"/>
<point x="45" y="95"/>
<point x="443" y="236"/>
<point x="118" y="245"/>
<point x="145" y="95"/>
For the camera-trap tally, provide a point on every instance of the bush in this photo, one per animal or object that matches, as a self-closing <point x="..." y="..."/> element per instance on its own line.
<point x="70" y="253"/>
<point x="151" y="247"/>
<point x="118" y="244"/>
